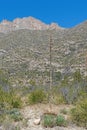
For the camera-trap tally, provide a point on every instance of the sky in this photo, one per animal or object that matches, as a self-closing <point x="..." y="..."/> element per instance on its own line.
<point x="66" y="13"/>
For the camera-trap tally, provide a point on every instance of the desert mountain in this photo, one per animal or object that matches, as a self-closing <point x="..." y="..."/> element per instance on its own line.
<point x="25" y="23"/>
<point x="25" y="49"/>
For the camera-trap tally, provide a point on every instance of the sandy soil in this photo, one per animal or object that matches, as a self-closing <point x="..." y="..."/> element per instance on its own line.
<point x="32" y="113"/>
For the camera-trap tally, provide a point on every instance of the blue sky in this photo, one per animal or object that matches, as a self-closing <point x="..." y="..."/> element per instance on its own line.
<point x="67" y="13"/>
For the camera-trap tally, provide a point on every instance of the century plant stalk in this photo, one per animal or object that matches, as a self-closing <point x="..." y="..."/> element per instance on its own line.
<point x="50" y="62"/>
<point x="50" y="73"/>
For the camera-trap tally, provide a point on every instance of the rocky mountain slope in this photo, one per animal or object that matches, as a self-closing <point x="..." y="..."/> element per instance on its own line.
<point x="25" y="48"/>
<point x="42" y="63"/>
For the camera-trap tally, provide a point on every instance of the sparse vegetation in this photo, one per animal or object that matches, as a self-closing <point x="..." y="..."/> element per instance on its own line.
<point x="63" y="111"/>
<point x="8" y="124"/>
<point x="25" y="70"/>
<point x="51" y="120"/>
<point x="37" y="96"/>
<point x="10" y="99"/>
<point x="60" y="121"/>
<point x="16" y="102"/>
<point x="57" y="98"/>
<point x="15" y="114"/>
<point x="79" y="113"/>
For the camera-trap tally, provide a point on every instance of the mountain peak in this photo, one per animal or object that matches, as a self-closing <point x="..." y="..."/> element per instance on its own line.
<point x="30" y="23"/>
<point x="54" y="26"/>
<point x="5" y="22"/>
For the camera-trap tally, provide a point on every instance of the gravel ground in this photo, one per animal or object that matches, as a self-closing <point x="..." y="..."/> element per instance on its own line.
<point x="32" y="113"/>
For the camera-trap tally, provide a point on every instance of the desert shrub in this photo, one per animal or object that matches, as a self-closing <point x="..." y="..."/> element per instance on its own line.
<point x="71" y="87"/>
<point x="58" y="99"/>
<point x="49" y="120"/>
<point x="70" y="95"/>
<point x="63" y="111"/>
<point x="15" y="114"/>
<point x="10" y="99"/>
<point x="8" y="124"/>
<point x="82" y="95"/>
<point x="4" y="98"/>
<point x="16" y="102"/>
<point x="2" y="117"/>
<point x="2" y="112"/>
<point x="77" y="76"/>
<point x="4" y="82"/>
<point x="56" y="96"/>
<point x="57" y="76"/>
<point x="60" y="121"/>
<point x="37" y="96"/>
<point x="32" y="82"/>
<point x="67" y="91"/>
<point x="71" y="92"/>
<point x="79" y="113"/>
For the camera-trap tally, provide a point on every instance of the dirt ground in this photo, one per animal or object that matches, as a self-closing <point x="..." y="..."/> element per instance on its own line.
<point x="34" y="112"/>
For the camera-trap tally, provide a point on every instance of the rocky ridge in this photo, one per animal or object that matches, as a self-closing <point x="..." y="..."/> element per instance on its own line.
<point x="26" y="23"/>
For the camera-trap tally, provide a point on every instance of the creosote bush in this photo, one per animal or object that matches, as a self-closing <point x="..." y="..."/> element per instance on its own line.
<point x="16" y="102"/>
<point x="10" y="99"/>
<point x="37" y="96"/>
<point x="56" y="97"/>
<point x="79" y="113"/>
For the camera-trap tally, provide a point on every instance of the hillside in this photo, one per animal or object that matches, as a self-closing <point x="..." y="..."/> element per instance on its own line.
<point x="24" y="51"/>
<point x="44" y="64"/>
<point x="25" y="54"/>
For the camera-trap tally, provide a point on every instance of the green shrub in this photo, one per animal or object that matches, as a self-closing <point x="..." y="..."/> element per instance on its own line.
<point x="56" y="96"/>
<point x="77" y="76"/>
<point x="49" y="120"/>
<point x="82" y="95"/>
<point x="15" y="114"/>
<point x="79" y="113"/>
<point x="4" y="99"/>
<point x="16" y="102"/>
<point x="60" y="121"/>
<point x="58" y="99"/>
<point x="37" y="96"/>
<point x="10" y="99"/>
